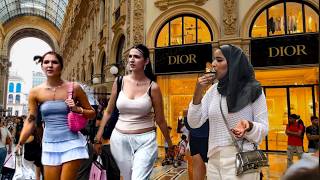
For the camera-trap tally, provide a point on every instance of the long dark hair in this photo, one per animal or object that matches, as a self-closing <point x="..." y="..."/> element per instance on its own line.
<point x="146" y="55"/>
<point x="39" y="59"/>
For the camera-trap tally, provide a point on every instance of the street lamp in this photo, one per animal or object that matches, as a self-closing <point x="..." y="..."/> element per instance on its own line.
<point x="114" y="70"/>
<point x="96" y="80"/>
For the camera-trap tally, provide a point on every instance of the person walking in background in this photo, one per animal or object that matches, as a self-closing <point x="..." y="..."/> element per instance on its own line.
<point x="313" y="134"/>
<point x="5" y="139"/>
<point x="239" y="96"/>
<point x="198" y="142"/>
<point x="133" y="141"/>
<point x="294" y="131"/>
<point x="62" y="149"/>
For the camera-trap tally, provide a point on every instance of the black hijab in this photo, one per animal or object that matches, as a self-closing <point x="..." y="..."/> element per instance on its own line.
<point x="239" y="84"/>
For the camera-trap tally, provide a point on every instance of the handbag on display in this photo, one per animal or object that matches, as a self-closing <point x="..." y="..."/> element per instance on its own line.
<point x="76" y="121"/>
<point x="97" y="172"/>
<point x="249" y="161"/>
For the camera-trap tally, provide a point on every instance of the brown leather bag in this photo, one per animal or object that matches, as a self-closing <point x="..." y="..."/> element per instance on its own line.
<point x="8" y="140"/>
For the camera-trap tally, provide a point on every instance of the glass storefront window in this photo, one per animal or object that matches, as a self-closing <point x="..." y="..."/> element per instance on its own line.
<point x="301" y="104"/>
<point x="300" y="18"/>
<point x="278" y="118"/>
<point x="260" y="26"/>
<point x="312" y="20"/>
<point x="189" y="29"/>
<point x="163" y="38"/>
<point x="192" y="28"/>
<point x="276" y="20"/>
<point x="204" y="34"/>
<point x="176" y="31"/>
<point x="294" y="18"/>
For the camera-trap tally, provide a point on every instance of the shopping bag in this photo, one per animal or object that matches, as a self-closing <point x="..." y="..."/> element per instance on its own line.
<point x="8" y="168"/>
<point x="19" y="175"/>
<point x="97" y="171"/>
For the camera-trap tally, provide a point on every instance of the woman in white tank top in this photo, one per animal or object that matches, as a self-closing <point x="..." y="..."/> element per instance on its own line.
<point x="133" y="141"/>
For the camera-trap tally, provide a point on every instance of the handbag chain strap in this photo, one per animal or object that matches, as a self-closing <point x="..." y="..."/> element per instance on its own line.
<point x="227" y="124"/>
<point x="235" y="142"/>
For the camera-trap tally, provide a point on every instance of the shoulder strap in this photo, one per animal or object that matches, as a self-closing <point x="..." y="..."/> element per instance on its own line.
<point x="149" y="91"/>
<point x="70" y="90"/>
<point x="119" y="84"/>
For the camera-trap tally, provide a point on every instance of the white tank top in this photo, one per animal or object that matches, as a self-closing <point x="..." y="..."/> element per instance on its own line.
<point x="136" y="113"/>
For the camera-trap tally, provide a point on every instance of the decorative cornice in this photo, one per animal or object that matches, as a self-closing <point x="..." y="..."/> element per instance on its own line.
<point x="165" y="4"/>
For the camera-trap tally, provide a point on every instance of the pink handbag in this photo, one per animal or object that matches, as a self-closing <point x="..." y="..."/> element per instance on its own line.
<point x="76" y="121"/>
<point x="97" y="172"/>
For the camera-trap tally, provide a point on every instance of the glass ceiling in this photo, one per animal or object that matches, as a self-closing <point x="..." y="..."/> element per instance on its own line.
<point x="52" y="10"/>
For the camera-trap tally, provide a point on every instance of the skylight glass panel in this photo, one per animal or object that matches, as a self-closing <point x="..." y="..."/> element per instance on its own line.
<point x="53" y="10"/>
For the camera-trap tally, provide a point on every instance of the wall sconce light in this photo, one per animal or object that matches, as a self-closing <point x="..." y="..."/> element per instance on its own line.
<point x="114" y="70"/>
<point x="96" y="80"/>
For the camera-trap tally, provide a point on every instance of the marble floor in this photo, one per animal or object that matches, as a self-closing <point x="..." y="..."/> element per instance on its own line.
<point x="277" y="161"/>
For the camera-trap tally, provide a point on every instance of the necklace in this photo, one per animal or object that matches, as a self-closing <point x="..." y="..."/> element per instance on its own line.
<point x="54" y="88"/>
<point x="143" y="83"/>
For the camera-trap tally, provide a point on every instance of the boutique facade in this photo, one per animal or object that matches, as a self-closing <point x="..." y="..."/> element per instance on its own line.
<point x="279" y="36"/>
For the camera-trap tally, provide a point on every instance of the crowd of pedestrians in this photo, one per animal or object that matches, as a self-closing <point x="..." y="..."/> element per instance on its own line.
<point x="124" y="136"/>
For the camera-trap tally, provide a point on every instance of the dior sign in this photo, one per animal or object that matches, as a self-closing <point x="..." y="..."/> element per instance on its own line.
<point x="285" y="50"/>
<point x="182" y="59"/>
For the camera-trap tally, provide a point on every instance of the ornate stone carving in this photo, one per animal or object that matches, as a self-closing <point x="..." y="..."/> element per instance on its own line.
<point x="138" y="25"/>
<point x="128" y="23"/>
<point x="229" y="17"/>
<point x="165" y="4"/>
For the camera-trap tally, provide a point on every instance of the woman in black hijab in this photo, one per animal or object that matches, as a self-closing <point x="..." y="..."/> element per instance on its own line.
<point x="242" y="103"/>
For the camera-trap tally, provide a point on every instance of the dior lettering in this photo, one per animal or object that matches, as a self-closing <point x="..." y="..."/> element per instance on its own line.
<point x="182" y="59"/>
<point x="287" y="51"/>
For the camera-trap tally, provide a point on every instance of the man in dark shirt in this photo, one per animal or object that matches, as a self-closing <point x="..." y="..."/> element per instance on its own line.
<point x="313" y="134"/>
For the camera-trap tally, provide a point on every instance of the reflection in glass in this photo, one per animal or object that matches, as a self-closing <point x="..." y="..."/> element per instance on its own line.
<point x="260" y="26"/>
<point x="312" y="20"/>
<point x="204" y="34"/>
<point x="189" y="30"/>
<point x="294" y="18"/>
<point x="163" y="38"/>
<point x="176" y="31"/>
<point x="276" y="20"/>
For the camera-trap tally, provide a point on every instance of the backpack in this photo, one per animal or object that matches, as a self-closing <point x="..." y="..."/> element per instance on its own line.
<point x="115" y="114"/>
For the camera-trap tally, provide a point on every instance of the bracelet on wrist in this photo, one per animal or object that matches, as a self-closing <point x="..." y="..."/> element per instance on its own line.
<point x="97" y="142"/>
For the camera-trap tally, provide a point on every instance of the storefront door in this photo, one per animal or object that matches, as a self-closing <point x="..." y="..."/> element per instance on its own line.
<point x="281" y="101"/>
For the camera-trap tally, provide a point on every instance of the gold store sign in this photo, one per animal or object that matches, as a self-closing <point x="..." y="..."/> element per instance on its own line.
<point x="285" y="50"/>
<point x="182" y="59"/>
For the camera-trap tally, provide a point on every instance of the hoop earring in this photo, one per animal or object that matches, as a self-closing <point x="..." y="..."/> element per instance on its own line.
<point x="144" y="67"/>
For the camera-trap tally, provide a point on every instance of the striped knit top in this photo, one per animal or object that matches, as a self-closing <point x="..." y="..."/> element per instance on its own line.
<point x="218" y="132"/>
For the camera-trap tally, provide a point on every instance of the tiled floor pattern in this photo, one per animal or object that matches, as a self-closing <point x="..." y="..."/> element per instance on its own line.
<point x="277" y="161"/>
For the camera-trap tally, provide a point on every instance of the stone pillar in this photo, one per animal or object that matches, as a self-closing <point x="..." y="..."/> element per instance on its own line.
<point x="230" y="18"/>
<point x="4" y="74"/>
<point x="138" y="22"/>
